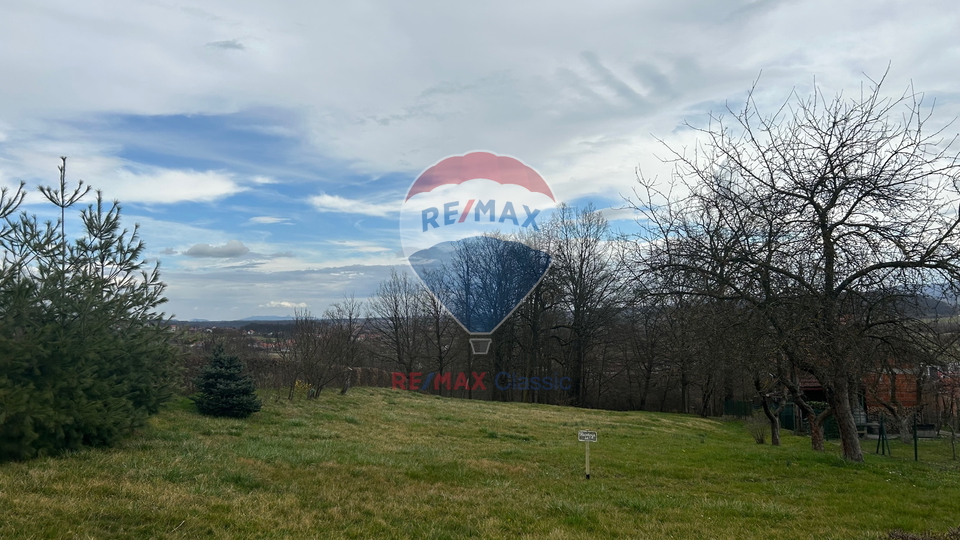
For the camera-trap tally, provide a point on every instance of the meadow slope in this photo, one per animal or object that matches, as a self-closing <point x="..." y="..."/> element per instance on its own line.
<point x="381" y="463"/>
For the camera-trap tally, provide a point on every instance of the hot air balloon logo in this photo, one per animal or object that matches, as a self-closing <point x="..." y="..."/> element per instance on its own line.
<point x="461" y="227"/>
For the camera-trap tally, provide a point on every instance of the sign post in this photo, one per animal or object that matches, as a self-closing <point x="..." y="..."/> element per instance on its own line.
<point x="587" y="437"/>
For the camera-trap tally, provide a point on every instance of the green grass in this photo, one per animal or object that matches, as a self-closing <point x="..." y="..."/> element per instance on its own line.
<point x="380" y="463"/>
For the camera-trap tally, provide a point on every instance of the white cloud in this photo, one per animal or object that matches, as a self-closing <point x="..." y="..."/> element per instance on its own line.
<point x="338" y="204"/>
<point x="268" y="220"/>
<point x="232" y="249"/>
<point x="117" y="178"/>
<point x="283" y="304"/>
<point x="579" y="93"/>
<point x="166" y="186"/>
<point x="228" y="44"/>
<point x="576" y="94"/>
<point x="361" y="246"/>
<point x="620" y="213"/>
<point x="173" y="235"/>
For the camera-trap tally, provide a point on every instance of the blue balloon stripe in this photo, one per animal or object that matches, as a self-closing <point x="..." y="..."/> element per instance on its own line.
<point x="480" y="279"/>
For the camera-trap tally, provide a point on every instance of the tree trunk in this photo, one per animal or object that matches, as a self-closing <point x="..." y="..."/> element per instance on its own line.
<point x="816" y="429"/>
<point x="706" y="393"/>
<point x="905" y="435"/>
<point x="839" y="400"/>
<point x="705" y="398"/>
<point x="773" y="415"/>
<point x="663" y="396"/>
<point x="774" y="418"/>
<point x="577" y="383"/>
<point x="603" y="356"/>
<point x="684" y="387"/>
<point x="815" y="421"/>
<point x="953" y="442"/>
<point x="647" y="376"/>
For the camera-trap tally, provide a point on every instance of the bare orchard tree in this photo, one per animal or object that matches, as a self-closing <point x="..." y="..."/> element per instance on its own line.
<point x="903" y="366"/>
<point x="823" y="210"/>
<point x="773" y="399"/>
<point x="758" y="356"/>
<point x="949" y="392"/>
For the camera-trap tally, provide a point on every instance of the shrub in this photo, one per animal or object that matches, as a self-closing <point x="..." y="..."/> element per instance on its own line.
<point x="758" y="425"/>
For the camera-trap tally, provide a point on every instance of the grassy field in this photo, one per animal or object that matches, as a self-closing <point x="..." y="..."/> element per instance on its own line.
<point x="380" y="463"/>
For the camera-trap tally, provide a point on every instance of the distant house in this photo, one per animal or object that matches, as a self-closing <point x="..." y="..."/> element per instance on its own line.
<point x="813" y="392"/>
<point x="898" y="387"/>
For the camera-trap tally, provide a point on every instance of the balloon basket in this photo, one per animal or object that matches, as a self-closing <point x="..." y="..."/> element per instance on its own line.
<point x="480" y="345"/>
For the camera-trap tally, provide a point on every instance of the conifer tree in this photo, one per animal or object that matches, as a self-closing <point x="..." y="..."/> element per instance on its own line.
<point x="224" y="389"/>
<point x="84" y="358"/>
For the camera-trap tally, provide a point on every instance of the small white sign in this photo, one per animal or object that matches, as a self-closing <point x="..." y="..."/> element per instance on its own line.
<point x="587" y="436"/>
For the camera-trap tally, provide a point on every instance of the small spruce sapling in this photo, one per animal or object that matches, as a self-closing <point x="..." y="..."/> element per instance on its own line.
<point x="224" y="390"/>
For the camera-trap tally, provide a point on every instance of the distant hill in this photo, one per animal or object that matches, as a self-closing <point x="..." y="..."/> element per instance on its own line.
<point x="253" y="323"/>
<point x="929" y="307"/>
<point x="268" y="318"/>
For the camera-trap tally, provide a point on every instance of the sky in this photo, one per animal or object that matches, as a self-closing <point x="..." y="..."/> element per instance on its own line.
<point x="265" y="148"/>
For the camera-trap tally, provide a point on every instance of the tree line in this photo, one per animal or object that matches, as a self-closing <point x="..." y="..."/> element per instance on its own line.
<point x="816" y="243"/>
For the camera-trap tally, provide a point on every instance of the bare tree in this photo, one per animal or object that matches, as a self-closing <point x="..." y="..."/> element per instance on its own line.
<point x="644" y="341"/>
<point x="822" y="210"/>
<point x="288" y="368"/>
<point x="949" y="395"/>
<point x="682" y="345"/>
<point x="442" y="338"/>
<point x="343" y="326"/>
<point x="396" y="318"/>
<point x="814" y="418"/>
<point x="341" y="336"/>
<point x="308" y="352"/>
<point x="586" y="276"/>
<point x="772" y="399"/>
<point x="531" y="324"/>
<point x="902" y="370"/>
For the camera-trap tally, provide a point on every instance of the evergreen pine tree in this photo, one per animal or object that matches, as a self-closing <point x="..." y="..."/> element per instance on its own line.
<point x="84" y="358"/>
<point x="224" y="389"/>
